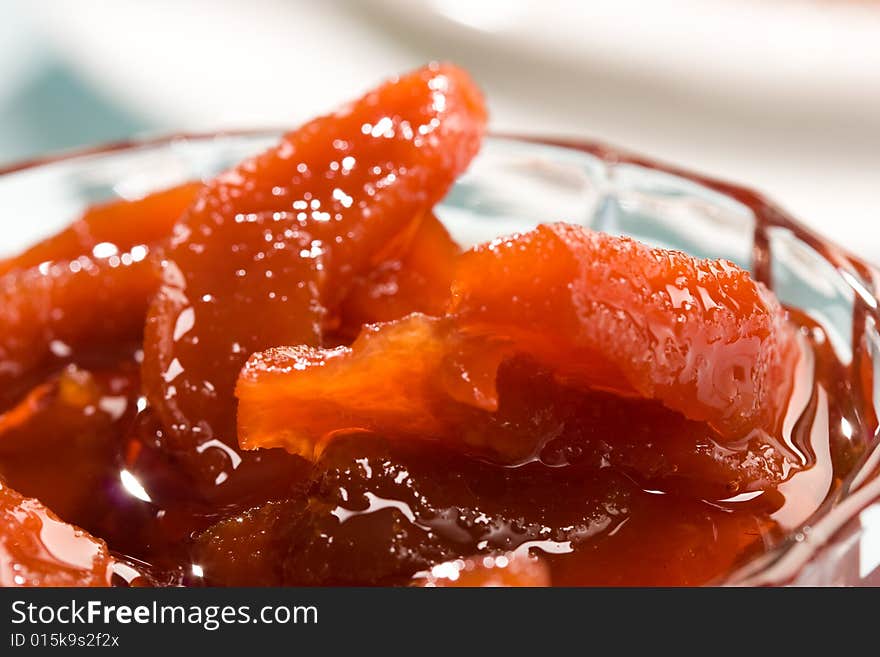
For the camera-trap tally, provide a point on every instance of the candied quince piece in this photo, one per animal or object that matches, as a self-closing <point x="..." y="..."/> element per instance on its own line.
<point x="358" y="176"/>
<point x="51" y="311"/>
<point x="38" y="549"/>
<point x="300" y="398"/>
<point x="305" y="543"/>
<point x="438" y="377"/>
<point x="701" y="336"/>
<point x="86" y="286"/>
<point x="503" y="570"/>
<point x="295" y="397"/>
<point x="271" y="246"/>
<point x="601" y="312"/>
<point x="378" y="549"/>
<point x="248" y="549"/>
<point x="418" y="280"/>
<point x="122" y="225"/>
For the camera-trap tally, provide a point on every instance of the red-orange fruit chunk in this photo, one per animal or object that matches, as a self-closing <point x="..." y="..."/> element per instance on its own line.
<point x="424" y="376"/>
<point x="38" y="549"/>
<point x="295" y="397"/>
<point x="248" y="549"/>
<point x="503" y="570"/>
<point x="418" y="280"/>
<point x="88" y="285"/>
<point x="301" y="397"/>
<point x="701" y="336"/>
<point x="53" y="310"/>
<point x="123" y="224"/>
<point x="271" y="246"/>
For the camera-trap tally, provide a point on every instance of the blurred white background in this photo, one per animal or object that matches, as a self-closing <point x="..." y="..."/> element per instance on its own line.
<point x="783" y="95"/>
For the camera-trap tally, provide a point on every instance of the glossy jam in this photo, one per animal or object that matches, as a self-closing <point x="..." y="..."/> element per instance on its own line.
<point x="610" y="481"/>
<point x="38" y="549"/>
<point x="623" y="490"/>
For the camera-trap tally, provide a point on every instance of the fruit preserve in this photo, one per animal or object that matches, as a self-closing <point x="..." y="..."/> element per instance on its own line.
<point x="292" y="373"/>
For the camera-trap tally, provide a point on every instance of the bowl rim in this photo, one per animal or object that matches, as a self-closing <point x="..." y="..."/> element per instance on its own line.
<point x="783" y="563"/>
<point x="129" y="144"/>
<point x="609" y="153"/>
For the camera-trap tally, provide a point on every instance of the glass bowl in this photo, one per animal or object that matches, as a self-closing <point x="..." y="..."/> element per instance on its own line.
<point x="516" y="183"/>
